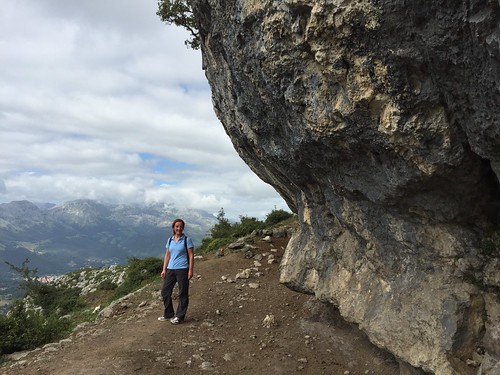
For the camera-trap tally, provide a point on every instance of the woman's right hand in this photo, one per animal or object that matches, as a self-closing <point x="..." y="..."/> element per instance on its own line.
<point x="163" y="274"/>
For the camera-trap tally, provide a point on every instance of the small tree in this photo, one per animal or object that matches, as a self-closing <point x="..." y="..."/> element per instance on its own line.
<point x="180" y="13"/>
<point x="28" y="274"/>
<point x="223" y="228"/>
<point x="52" y="299"/>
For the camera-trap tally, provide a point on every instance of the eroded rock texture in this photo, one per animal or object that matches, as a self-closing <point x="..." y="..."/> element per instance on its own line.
<point x="377" y="121"/>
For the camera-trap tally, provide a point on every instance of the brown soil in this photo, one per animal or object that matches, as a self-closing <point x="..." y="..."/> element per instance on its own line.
<point x="222" y="334"/>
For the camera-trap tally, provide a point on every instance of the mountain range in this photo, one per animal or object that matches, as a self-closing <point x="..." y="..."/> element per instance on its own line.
<point x="60" y="238"/>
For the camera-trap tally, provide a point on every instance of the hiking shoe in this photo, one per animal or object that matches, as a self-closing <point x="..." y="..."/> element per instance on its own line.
<point x="162" y="319"/>
<point x="175" y="320"/>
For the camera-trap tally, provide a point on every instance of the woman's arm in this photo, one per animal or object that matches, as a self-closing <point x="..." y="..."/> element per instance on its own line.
<point x="191" y="262"/>
<point x="166" y="258"/>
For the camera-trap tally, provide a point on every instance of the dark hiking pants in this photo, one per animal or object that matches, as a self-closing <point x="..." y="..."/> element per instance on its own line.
<point x="181" y="278"/>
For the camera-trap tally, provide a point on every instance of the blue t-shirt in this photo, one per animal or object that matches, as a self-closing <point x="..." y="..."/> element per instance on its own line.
<point x="178" y="254"/>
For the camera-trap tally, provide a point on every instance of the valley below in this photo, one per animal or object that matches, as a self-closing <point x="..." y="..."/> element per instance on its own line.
<point x="57" y="239"/>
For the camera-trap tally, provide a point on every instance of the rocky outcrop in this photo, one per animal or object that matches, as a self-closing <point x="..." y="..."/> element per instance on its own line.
<point x="377" y="121"/>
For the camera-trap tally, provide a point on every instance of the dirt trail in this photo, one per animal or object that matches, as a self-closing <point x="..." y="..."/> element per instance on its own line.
<point x="224" y="332"/>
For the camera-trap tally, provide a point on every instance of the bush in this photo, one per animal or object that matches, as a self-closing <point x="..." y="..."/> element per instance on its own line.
<point x="277" y="216"/>
<point x="24" y="328"/>
<point x="139" y="271"/>
<point x="54" y="299"/>
<point x="107" y="285"/>
<point x="37" y="322"/>
<point x="210" y="245"/>
<point x="223" y="232"/>
<point x="144" y="268"/>
<point x="246" y="226"/>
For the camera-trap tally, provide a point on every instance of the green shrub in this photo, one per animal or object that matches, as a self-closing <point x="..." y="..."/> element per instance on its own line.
<point x="107" y="285"/>
<point x="51" y="298"/>
<point x="210" y="245"/>
<point x="139" y="272"/>
<point x="246" y="226"/>
<point x="31" y="324"/>
<point x="24" y="328"/>
<point x="223" y="232"/>
<point x="277" y="216"/>
<point x="55" y="299"/>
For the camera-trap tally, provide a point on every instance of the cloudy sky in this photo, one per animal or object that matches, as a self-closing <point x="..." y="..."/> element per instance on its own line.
<point x="101" y="100"/>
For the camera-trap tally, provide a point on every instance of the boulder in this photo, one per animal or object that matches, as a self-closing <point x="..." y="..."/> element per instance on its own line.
<point x="377" y="122"/>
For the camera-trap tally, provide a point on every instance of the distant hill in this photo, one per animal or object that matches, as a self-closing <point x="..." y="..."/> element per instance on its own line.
<point x="84" y="233"/>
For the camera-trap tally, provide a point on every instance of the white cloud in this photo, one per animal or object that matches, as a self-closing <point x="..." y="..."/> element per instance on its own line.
<point x="101" y="100"/>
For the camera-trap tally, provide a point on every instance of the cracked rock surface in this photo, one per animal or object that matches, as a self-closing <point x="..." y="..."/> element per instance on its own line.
<point x="378" y="123"/>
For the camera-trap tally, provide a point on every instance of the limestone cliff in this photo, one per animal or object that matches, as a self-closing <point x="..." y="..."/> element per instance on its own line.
<point x="377" y="121"/>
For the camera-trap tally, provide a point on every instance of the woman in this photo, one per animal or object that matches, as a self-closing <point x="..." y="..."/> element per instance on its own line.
<point x="177" y="268"/>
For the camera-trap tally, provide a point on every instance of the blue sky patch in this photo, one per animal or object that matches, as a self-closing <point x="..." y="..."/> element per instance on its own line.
<point x="161" y="165"/>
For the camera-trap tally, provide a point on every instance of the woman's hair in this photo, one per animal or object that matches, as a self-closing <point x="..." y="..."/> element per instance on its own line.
<point x="178" y="221"/>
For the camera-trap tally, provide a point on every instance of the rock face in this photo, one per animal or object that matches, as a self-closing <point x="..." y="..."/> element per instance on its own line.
<point x="378" y="123"/>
